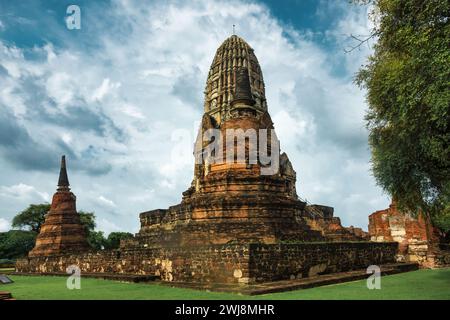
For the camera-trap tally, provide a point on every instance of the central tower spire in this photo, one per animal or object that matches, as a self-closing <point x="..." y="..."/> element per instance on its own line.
<point x="63" y="181"/>
<point x="232" y="57"/>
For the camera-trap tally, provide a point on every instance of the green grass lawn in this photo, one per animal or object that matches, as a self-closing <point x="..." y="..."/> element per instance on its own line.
<point x="6" y="270"/>
<point x="421" y="284"/>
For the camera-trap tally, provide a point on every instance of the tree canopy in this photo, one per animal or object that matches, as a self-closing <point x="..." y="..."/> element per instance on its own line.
<point x="32" y="217"/>
<point x="16" y="243"/>
<point x="408" y="92"/>
<point x="113" y="241"/>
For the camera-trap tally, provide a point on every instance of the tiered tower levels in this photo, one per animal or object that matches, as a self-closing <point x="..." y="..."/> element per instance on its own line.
<point x="62" y="231"/>
<point x="233" y="202"/>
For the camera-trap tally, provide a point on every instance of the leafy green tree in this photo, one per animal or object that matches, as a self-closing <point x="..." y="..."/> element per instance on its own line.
<point x="97" y="240"/>
<point x="16" y="243"/>
<point x="408" y="91"/>
<point x="88" y="220"/>
<point x="32" y="217"/>
<point x="113" y="241"/>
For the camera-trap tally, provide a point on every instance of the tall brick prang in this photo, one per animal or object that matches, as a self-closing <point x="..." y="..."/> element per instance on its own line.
<point x="233" y="201"/>
<point x="62" y="231"/>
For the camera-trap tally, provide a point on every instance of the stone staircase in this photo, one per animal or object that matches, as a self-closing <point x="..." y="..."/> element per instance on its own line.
<point x="4" y="295"/>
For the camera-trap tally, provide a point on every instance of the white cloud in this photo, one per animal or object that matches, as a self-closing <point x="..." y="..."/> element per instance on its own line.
<point x="66" y="137"/>
<point x="23" y="191"/>
<point x="60" y="87"/>
<point x="51" y="55"/>
<point x="12" y="68"/>
<point x="14" y="101"/>
<point x="132" y="111"/>
<point x="107" y="226"/>
<point x="105" y="88"/>
<point x="143" y="196"/>
<point x="106" y="202"/>
<point x="4" y="225"/>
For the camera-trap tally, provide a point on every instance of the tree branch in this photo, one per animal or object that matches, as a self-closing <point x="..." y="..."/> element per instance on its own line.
<point x="360" y="41"/>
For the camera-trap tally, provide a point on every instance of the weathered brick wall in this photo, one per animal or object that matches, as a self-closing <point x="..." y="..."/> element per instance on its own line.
<point x="442" y="256"/>
<point x="199" y="264"/>
<point x="332" y="229"/>
<point x="244" y="263"/>
<point x="289" y="261"/>
<point x="418" y="239"/>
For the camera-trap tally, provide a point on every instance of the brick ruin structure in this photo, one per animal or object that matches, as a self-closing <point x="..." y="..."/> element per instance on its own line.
<point x="234" y="224"/>
<point x="235" y="202"/>
<point x="418" y="240"/>
<point x="62" y="231"/>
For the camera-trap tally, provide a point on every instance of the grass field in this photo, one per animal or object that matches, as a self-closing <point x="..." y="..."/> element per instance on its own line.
<point x="6" y="270"/>
<point x="421" y="284"/>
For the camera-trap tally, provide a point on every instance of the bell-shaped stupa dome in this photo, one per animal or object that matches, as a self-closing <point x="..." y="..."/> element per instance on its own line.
<point x="234" y="54"/>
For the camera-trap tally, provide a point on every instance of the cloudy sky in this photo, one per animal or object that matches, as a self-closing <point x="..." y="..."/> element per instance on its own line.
<point x="122" y="99"/>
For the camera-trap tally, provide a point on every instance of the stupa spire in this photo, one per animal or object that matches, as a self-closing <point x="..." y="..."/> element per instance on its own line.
<point x="63" y="181"/>
<point x="62" y="231"/>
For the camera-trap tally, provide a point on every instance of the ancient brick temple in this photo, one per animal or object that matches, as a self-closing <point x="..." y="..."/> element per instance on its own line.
<point x="62" y="231"/>
<point x="418" y="240"/>
<point x="235" y="202"/>
<point x="240" y="221"/>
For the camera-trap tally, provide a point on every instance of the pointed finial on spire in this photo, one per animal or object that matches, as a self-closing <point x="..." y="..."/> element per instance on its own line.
<point x="234" y="31"/>
<point x="63" y="181"/>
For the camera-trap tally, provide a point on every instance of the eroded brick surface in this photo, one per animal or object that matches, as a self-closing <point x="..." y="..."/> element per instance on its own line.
<point x="241" y="263"/>
<point x="418" y="239"/>
<point x="62" y="231"/>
